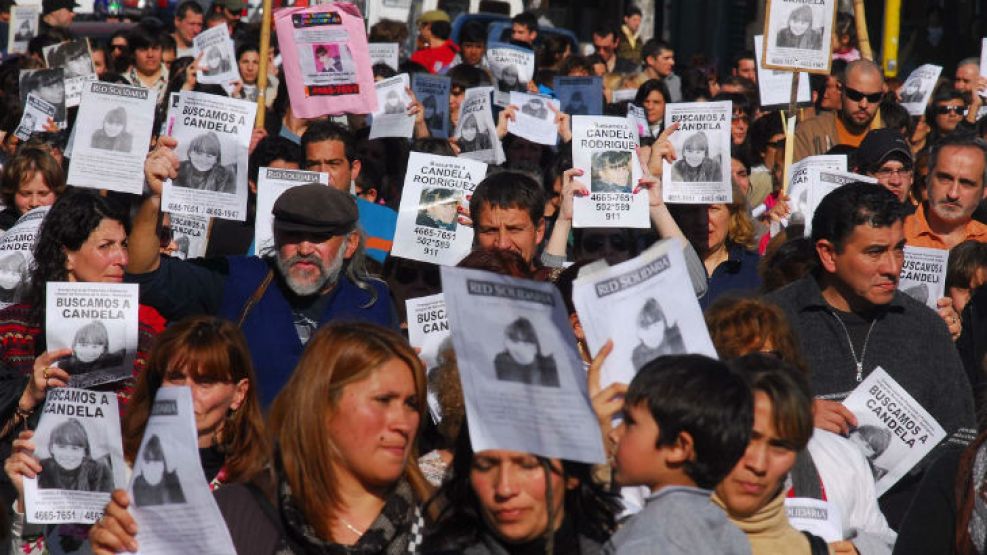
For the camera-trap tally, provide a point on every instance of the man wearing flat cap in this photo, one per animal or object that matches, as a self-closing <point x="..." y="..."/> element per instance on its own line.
<point x="57" y="14"/>
<point x="314" y="274"/>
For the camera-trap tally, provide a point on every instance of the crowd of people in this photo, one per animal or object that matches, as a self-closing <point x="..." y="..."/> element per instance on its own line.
<point x="312" y="407"/>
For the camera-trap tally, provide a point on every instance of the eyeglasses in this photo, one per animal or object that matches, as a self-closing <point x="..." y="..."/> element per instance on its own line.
<point x="885" y="173"/>
<point x="956" y="110"/>
<point x="857" y="96"/>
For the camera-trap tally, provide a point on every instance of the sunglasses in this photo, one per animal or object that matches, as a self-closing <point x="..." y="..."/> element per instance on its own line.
<point x="957" y="110"/>
<point x="780" y="143"/>
<point x="405" y="275"/>
<point x="857" y="96"/>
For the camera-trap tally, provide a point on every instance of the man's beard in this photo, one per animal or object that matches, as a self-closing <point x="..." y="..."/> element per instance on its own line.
<point x="328" y="273"/>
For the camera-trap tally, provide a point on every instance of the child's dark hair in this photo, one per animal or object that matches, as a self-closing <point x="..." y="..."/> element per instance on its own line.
<point x="703" y="397"/>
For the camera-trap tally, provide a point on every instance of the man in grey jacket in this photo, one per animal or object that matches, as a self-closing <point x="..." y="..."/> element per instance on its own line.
<point x="850" y="319"/>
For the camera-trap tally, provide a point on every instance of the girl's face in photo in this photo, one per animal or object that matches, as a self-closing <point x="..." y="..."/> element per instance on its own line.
<point x="653" y="334"/>
<point x="521" y="351"/>
<point x="88" y="352"/>
<point x="112" y="127"/>
<point x="469" y="132"/>
<point x="69" y="457"/>
<point x="53" y="92"/>
<point x="78" y="66"/>
<point x="798" y="26"/>
<point x="694" y="156"/>
<point x="202" y="161"/>
<point x="9" y="279"/>
<point x="153" y="471"/>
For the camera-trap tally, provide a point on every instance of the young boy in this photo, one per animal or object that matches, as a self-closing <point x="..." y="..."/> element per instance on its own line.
<point x="687" y="421"/>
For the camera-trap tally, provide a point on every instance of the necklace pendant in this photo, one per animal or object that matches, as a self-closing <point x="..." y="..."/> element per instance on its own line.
<point x="860" y="372"/>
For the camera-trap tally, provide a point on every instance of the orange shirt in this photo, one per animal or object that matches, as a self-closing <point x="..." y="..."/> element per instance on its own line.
<point x="918" y="233"/>
<point x="845" y="137"/>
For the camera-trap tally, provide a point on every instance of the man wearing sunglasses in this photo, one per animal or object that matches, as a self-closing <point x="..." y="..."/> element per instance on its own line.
<point x="862" y="89"/>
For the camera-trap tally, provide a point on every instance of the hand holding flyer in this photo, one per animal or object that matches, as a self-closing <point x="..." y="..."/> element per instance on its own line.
<point x="81" y="455"/>
<point x="605" y="149"/>
<point x="798" y="187"/>
<point x="894" y="432"/>
<point x="48" y="85"/>
<point x="35" y="117"/>
<point x="170" y="499"/>
<point x="535" y="120"/>
<point x="428" y="221"/>
<point x="798" y="35"/>
<point x="701" y="175"/>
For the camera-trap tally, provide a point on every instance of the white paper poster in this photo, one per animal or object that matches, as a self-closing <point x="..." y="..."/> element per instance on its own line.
<point x="392" y="118"/>
<point x="701" y="174"/>
<point x="428" y="226"/>
<point x="923" y="274"/>
<point x="384" y="53"/>
<point x="799" y="35"/>
<point x="99" y="322"/>
<point x="894" y="432"/>
<point x="213" y="134"/>
<point x="17" y="255"/>
<point x="798" y="189"/>
<point x="218" y="64"/>
<point x="818" y="517"/>
<point x="535" y="118"/>
<point x="476" y="133"/>
<point x="524" y="384"/>
<point x="77" y="61"/>
<point x="23" y="27"/>
<point x="271" y="182"/>
<point x="35" y="116"/>
<point x="605" y="148"/>
<point x="81" y="454"/>
<point x="512" y="67"/>
<point x="918" y="88"/>
<point x="47" y="84"/>
<point x="171" y="501"/>
<point x="775" y="86"/>
<point x="190" y="235"/>
<point x="646" y="305"/>
<point x="823" y="182"/>
<point x="112" y="137"/>
<point x="428" y="332"/>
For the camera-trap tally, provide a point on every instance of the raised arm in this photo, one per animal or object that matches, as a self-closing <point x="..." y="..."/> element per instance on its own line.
<point x="143" y="244"/>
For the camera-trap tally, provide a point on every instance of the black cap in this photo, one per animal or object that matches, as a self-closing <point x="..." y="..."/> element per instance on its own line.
<point x="878" y="146"/>
<point x="49" y="6"/>
<point x="315" y="208"/>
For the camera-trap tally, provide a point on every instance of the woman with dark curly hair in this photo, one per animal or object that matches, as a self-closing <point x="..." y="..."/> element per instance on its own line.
<point x="83" y="239"/>
<point x="565" y="510"/>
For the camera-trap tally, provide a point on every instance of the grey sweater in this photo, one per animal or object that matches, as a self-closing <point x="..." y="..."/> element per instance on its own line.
<point x="679" y="520"/>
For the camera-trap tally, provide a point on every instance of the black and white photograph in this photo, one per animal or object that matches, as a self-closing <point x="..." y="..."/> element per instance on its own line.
<point x="91" y="350"/>
<point x="577" y="105"/>
<point x="657" y="335"/>
<point x="918" y="88"/>
<point x="894" y="432"/>
<point x="523" y="359"/>
<point x="393" y="101"/>
<point x="77" y="443"/>
<point x="113" y="134"/>
<point x="800" y="31"/>
<point x="612" y="172"/>
<point x="427" y="226"/>
<point x="48" y="85"/>
<point x="476" y="132"/>
<point x="72" y="56"/>
<point x="215" y="62"/>
<point x="697" y="164"/>
<point x="70" y="464"/>
<point x="534" y="120"/>
<point x="646" y="305"/>
<point x="216" y="57"/>
<point x="798" y="35"/>
<point x="700" y="173"/>
<point x="204" y="167"/>
<point x="433" y="92"/>
<point x="98" y="321"/>
<point x="525" y="387"/>
<point x="438" y="208"/>
<point x="171" y="501"/>
<point x="25" y="30"/>
<point x="155" y="483"/>
<point x="13" y="272"/>
<point x="17" y="254"/>
<point x="472" y="136"/>
<point x="512" y="67"/>
<point x="536" y="108"/>
<point x="37" y="115"/>
<point x="923" y="274"/>
<point x="22" y="27"/>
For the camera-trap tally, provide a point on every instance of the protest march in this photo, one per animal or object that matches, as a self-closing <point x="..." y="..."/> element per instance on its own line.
<point x="499" y="277"/>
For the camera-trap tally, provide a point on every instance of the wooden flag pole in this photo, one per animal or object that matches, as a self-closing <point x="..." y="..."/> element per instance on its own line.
<point x="863" y="39"/>
<point x="265" y="48"/>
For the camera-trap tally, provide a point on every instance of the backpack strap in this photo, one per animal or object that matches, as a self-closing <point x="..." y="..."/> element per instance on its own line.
<point x="817" y="545"/>
<point x="255" y="297"/>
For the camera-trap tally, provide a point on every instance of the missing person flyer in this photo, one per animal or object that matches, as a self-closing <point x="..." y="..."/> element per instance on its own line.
<point x="701" y="174"/>
<point x="580" y="96"/>
<point x="392" y="118"/>
<point x="214" y="49"/>
<point x="923" y="274"/>
<point x="170" y="498"/>
<point x="894" y="432"/>
<point x="774" y="86"/>
<point x="99" y="322"/>
<point x="428" y="220"/>
<point x="112" y="134"/>
<point x="918" y="88"/>
<point x="798" y="188"/>
<point x="76" y="59"/>
<point x="189" y="236"/>
<point x="512" y="67"/>
<point x="17" y="256"/>
<point x="271" y="183"/>
<point x="23" y="27"/>
<point x="605" y="148"/>
<point x="524" y="384"/>
<point x="34" y="118"/>
<point x="535" y="118"/>
<point x="799" y="34"/>
<point x="823" y="182"/>
<point x="79" y="447"/>
<point x="476" y="133"/>
<point x="433" y="92"/>
<point x="428" y="331"/>
<point x="384" y="53"/>
<point x="213" y="134"/>
<point x="646" y="305"/>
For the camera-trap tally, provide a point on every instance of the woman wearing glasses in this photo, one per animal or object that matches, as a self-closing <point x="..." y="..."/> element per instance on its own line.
<point x="948" y="112"/>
